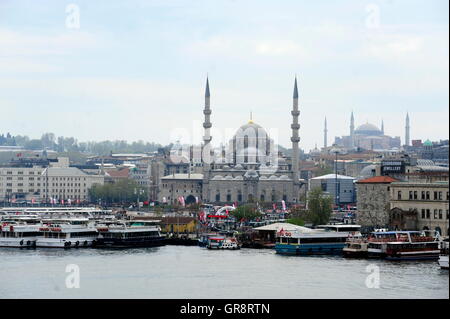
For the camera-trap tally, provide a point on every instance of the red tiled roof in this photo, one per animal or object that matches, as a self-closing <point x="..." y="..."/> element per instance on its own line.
<point x="378" y="179"/>
<point x="118" y="173"/>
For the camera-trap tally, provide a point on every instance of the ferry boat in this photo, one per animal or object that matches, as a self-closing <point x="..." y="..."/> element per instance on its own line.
<point x="19" y="235"/>
<point x="356" y="248"/>
<point x="443" y="257"/>
<point x="404" y="245"/>
<point x="222" y="242"/>
<point x="132" y="233"/>
<point x="66" y="233"/>
<point x="327" y="239"/>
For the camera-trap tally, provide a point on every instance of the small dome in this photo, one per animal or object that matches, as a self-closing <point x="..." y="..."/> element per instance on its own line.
<point x="427" y="143"/>
<point x="251" y="173"/>
<point x="263" y="177"/>
<point x="284" y="177"/>
<point x="217" y="177"/>
<point x="238" y="166"/>
<point x="228" y="177"/>
<point x="239" y="178"/>
<point x="273" y="177"/>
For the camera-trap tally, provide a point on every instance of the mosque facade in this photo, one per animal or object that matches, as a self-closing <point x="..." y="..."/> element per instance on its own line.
<point x="248" y="169"/>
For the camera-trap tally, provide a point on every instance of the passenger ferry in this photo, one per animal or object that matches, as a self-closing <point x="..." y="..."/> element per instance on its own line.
<point x="132" y="233"/>
<point x="19" y="235"/>
<point x="443" y="257"/>
<point x="66" y="233"/>
<point x="327" y="239"/>
<point x="404" y="245"/>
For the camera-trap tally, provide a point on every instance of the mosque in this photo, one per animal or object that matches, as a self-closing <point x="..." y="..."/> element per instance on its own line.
<point x="248" y="169"/>
<point x="368" y="136"/>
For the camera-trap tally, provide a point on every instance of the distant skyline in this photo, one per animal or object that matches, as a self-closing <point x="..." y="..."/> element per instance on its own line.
<point x="136" y="70"/>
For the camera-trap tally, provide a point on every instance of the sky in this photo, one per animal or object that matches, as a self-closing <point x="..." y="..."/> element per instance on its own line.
<point x="136" y="70"/>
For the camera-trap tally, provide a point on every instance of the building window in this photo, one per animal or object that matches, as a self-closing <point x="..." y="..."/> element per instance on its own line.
<point x="440" y="213"/>
<point x="435" y="214"/>
<point x="440" y="195"/>
<point x="423" y="213"/>
<point x="423" y="194"/>
<point x="428" y="195"/>
<point x="415" y="194"/>
<point x="435" y="195"/>
<point x="428" y="213"/>
<point x="410" y="195"/>
<point x="399" y="195"/>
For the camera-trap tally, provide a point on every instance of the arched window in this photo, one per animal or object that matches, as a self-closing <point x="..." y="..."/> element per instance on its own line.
<point x="218" y="197"/>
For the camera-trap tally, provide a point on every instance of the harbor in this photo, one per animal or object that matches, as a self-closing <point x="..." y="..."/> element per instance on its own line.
<point x="192" y="272"/>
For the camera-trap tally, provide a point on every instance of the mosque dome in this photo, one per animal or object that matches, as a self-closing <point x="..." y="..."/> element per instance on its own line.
<point x="251" y="143"/>
<point x="368" y="129"/>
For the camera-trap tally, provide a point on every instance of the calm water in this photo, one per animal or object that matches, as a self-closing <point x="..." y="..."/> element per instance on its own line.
<point x="193" y="272"/>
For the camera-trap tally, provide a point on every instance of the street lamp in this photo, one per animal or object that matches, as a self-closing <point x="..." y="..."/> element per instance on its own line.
<point x="138" y="193"/>
<point x="336" y="184"/>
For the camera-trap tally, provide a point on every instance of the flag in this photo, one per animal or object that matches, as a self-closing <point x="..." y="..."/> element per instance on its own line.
<point x="62" y="201"/>
<point x="274" y="206"/>
<point x="69" y="201"/>
<point x="196" y="199"/>
<point x="283" y="205"/>
<point x="33" y="201"/>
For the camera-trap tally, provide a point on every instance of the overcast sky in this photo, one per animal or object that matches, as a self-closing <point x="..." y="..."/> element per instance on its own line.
<point x="136" y="70"/>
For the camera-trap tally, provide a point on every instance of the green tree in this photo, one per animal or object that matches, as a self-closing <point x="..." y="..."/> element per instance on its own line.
<point x="246" y="212"/>
<point x="296" y="221"/>
<point x="124" y="191"/>
<point x="319" y="207"/>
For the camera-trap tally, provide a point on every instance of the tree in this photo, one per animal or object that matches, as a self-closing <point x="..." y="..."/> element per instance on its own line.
<point x="319" y="207"/>
<point x="246" y="212"/>
<point x="120" y="192"/>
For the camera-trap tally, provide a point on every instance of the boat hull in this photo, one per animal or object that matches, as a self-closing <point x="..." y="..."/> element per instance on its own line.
<point x="130" y="243"/>
<point x="18" y="242"/>
<point x="310" y="249"/>
<point x="64" y="243"/>
<point x="355" y="254"/>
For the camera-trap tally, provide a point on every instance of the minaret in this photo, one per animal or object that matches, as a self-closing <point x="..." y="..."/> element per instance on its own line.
<point x="382" y="127"/>
<point x="407" y="130"/>
<point x="206" y="153"/>
<point x="352" y="129"/>
<point x="207" y="123"/>
<point x="295" y="137"/>
<point x="325" y="134"/>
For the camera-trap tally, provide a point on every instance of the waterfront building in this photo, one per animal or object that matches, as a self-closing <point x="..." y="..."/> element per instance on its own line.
<point x="44" y="179"/>
<point x="189" y="186"/>
<point x="341" y="188"/>
<point x="373" y="201"/>
<point x="419" y="205"/>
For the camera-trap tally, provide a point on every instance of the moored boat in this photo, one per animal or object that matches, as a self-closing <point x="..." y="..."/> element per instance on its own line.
<point x="18" y="235"/>
<point x="222" y="242"/>
<point x="128" y="234"/>
<point x="328" y="239"/>
<point x="403" y="245"/>
<point x="66" y="233"/>
<point x="355" y="248"/>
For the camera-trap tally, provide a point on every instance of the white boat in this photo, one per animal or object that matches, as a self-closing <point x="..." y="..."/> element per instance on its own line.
<point x="18" y="235"/>
<point x="67" y="233"/>
<point x="222" y="242"/>
<point x="443" y="257"/>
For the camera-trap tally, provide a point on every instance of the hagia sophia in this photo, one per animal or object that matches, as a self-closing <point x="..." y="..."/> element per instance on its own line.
<point x="368" y="136"/>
